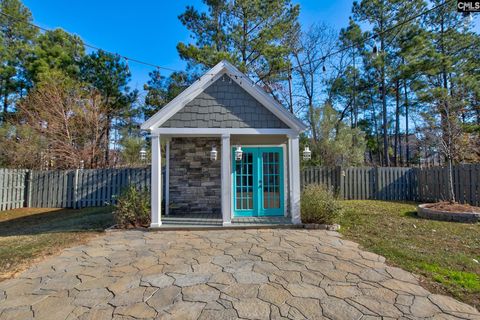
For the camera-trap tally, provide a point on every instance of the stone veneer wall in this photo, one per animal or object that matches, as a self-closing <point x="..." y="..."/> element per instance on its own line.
<point x="195" y="180"/>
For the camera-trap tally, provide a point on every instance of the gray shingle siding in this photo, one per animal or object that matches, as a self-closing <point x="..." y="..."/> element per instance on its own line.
<point x="224" y="104"/>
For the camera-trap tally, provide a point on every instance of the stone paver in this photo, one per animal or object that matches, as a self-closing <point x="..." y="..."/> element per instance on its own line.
<point x="222" y="274"/>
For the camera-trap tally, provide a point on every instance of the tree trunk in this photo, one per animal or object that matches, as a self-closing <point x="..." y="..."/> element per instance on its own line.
<point x="375" y="127"/>
<point x="290" y="96"/>
<point x="384" y="97"/>
<point x="107" y="140"/>
<point x="354" y="97"/>
<point x="397" y="121"/>
<point x="451" y="192"/>
<point x="444" y="114"/>
<point x="407" y="145"/>
<point x="384" y="120"/>
<point x="5" y="100"/>
<point x="312" y="121"/>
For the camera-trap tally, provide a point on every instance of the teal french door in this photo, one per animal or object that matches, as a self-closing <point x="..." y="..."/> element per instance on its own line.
<point x="258" y="182"/>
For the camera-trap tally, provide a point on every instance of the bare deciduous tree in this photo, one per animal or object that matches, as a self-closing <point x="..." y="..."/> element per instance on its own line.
<point x="309" y="49"/>
<point x="443" y="132"/>
<point x="69" y="122"/>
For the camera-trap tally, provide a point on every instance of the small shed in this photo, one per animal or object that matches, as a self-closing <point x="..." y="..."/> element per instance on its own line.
<point x="230" y="150"/>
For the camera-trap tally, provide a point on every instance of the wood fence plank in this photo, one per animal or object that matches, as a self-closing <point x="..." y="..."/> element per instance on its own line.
<point x="46" y="189"/>
<point x="6" y="190"/>
<point x="80" y="198"/>
<point x="91" y="195"/>
<point x="13" y="183"/>
<point x="476" y="184"/>
<point x="2" y="178"/>
<point x="6" y="181"/>
<point x="95" y="186"/>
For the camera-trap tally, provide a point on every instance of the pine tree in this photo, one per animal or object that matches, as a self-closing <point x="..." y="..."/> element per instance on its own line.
<point x="108" y="74"/>
<point x="382" y="15"/>
<point x="55" y="50"/>
<point x="161" y="90"/>
<point x="16" y="37"/>
<point x="251" y="34"/>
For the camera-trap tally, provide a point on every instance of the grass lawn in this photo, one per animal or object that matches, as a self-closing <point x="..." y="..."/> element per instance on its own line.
<point x="30" y="234"/>
<point x="444" y="253"/>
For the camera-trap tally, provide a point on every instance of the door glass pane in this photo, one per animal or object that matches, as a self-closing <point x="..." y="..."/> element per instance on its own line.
<point x="244" y="182"/>
<point x="271" y="180"/>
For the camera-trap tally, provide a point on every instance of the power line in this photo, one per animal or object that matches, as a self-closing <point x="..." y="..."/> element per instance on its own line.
<point x="92" y="46"/>
<point x="372" y="37"/>
<point x="323" y="58"/>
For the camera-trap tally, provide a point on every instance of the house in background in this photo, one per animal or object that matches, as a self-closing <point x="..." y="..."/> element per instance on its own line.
<point x="231" y="150"/>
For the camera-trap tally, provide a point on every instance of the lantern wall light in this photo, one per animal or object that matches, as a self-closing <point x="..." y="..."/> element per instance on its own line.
<point x="238" y="153"/>
<point x="307" y="154"/>
<point x="213" y="153"/>
<point x="143" y="154"/>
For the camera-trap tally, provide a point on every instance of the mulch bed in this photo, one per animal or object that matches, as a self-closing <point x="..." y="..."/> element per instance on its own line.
<point x="453" y="207"/>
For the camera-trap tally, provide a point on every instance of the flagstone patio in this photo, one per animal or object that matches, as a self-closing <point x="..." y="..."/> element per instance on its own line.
<point x="222" y="274"/>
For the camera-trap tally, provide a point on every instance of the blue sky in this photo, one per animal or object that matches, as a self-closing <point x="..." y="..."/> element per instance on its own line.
<point x="149" y="30"/>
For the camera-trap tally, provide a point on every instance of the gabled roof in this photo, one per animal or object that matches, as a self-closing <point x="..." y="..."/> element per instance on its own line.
<point x="223" y="67"/>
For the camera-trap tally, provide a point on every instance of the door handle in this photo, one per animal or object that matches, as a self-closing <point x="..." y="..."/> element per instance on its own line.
<point x="260" y="183"/>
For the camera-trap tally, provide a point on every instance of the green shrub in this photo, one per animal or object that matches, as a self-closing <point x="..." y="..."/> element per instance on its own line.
<point x="319" y="205"/>
<point x="133" y="208"/>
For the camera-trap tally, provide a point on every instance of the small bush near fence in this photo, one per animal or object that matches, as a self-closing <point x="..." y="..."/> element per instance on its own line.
<point x="318" y="205"/>
<point x="133" y="208"/>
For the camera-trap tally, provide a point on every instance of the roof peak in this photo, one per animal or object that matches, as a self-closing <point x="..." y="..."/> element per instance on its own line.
<point x="206" y="80"/>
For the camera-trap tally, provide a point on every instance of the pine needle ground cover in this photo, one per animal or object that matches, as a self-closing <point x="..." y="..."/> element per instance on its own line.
<point x="445" y="254"/>
<point x="30" y="234"/>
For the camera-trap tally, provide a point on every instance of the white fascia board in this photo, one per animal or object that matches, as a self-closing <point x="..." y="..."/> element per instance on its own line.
<point x="220" y="131"/>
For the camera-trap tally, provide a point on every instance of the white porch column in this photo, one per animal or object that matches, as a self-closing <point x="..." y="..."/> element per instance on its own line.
<point x="294" y="174"/>
<point x="167" y="176"/>
<point x="156" y="188"/>
<point x="226" y="180"/>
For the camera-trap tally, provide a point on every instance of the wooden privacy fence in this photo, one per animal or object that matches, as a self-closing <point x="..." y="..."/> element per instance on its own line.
<point x="12" y="188"/>
<point x="99" y="187"/>
<point x="67" y="188"/>
<point x="432" y="184"/>
<point x="402" y="184"/>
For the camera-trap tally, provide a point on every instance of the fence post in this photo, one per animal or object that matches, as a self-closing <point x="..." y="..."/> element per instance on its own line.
<point x="339" y="182"/>
<point x="75" y="189"/>
<point x="415" y="191"/>
<point x="378" y="185"/>
<point x="28" y="187"/>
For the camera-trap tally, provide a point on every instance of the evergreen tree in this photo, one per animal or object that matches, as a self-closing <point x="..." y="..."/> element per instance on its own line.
<point x="335" y="147"/>
<point x="251" y="34"/>
<point x="56" y="50"/>
<point x="382" y="15"/>
<point x="16" y="38"/>
<point x="161" y="90"/>
<point x="108" y="74"/>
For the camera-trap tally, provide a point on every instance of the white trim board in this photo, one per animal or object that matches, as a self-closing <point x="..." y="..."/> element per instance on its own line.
<point x="210" y="77"/>
<point x="201" y="132"/>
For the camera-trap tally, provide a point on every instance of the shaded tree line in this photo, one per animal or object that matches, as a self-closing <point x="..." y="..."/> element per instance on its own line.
<point x="390" y="88"/>
<point x="61" y="106"/>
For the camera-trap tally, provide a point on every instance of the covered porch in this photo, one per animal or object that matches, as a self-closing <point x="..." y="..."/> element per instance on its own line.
<point x="231" y="151"/>
<point x="202" y="192"/>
